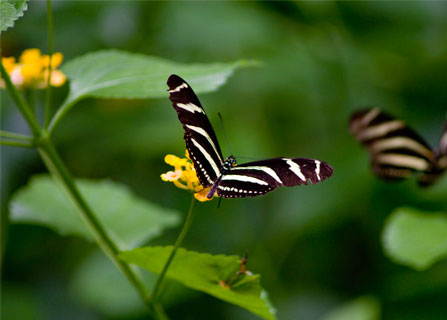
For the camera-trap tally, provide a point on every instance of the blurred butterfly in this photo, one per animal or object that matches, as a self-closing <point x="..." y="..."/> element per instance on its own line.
<point x="222" y="175"/>
<point x="396" y="150"/>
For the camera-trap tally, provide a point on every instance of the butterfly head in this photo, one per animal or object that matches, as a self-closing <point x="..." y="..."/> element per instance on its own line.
<point x="229" y="163"/>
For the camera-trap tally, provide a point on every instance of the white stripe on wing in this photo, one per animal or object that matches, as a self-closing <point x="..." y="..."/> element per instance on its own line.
<point x="244" y="179"/>
<point x="190" y="107"/>
<point x="295" y="168"/>
<point x="180" y="87"/>
<point x="206" y="135"/>
<point x="207" y="157"/>
<point x="267" y="170"/>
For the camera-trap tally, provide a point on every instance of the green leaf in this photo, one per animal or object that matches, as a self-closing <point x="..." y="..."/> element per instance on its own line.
<point x="11" y="10"/>
<point x="100" y="285"/>
<point x="363" y="308"/>
<point x="212" y="274"/>
<point x="119" y="74"/>
<point x="415" y="238"/>
<point x="129" y="220"/>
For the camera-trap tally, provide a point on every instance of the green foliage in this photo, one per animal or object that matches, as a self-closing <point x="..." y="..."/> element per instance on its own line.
<point x="363" y="308"/>
<point x="107" y="291"/>
<point x="11" y="10"/>
<point x="212" y="274"/>
<point x="313" y="245"/>
<point x="118" y="74"/>
<point x="415" y="238"/>
<point x="129" y="220"/>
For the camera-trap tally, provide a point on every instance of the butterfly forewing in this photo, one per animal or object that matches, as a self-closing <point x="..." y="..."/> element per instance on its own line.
<point x="396" y="150"/>
<point x="259" y="177"/>
<point x="201" y="141"/>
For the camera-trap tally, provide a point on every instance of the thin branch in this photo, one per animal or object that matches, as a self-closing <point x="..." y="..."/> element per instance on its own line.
<point x="179" y="241"/>
<point x="58" y="170"/>
<point x="50" y="69"/>
<point x="63" y="109"/>
<point x="11" y="143"/>
<point x="17" y="136"/>
<point x="21" y="103"/>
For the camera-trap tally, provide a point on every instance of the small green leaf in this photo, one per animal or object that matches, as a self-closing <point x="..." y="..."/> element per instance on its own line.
<point x="212" y="274"/>
<point x="119" y="74"/>
<point x="100" y="285"/>
<point x="11" y="10"/>
<point x="415" y="238"/>
<point x="129" y="220"/>
<point x="363" y="308"/>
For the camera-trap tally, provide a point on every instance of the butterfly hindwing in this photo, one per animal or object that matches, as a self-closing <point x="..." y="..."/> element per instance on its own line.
<point x="259" y="177"/>
<point x="201" y="141"/>
<point x="396" y="150"/>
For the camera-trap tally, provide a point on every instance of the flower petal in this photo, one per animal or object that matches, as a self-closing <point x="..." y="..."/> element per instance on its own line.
<point x="171" y="175"/>
<point x="202" y="195"/>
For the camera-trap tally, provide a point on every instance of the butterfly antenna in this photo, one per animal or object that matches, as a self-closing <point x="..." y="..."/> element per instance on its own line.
<point x="248" y="158"/>
<point x="225" y="132"/>
<point x="218" y="203"/>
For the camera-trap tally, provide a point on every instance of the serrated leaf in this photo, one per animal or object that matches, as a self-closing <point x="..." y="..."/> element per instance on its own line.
<point x="119" y="74"/>
<point x="212" y="274"/>
<point x="415" y="238"/>
<point x="11" y="10"/>
<point x="100" y="285"/>
<point x="129" y="220"/>
<point x="363" y="308"/>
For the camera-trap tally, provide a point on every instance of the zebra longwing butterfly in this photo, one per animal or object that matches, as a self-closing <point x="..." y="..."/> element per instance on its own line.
<point x="397" y="151"/>
<point x="222" y="175"/>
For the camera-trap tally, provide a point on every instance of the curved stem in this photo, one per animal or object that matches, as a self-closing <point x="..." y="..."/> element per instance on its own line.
<point x="58" y="170"/>
<point x="21" y="103"/>
<point x="50" y="55"/>
<point x="17" y="136"/>
<point x="68" y="103"/>
<point x="21" y="144"/>
<point x="179" y="241"/>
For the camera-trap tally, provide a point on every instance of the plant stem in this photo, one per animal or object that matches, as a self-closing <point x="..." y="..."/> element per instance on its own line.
<point x="21" y="103"/>
<point x="14" y="135"/>
<point x="50" y="54"/>
<point x="179" y="241"/>
<point x="21" y="144"/>
<point x="60" y="173"/>
<point x="63" y="109"/>
<point x="30" y="97"/>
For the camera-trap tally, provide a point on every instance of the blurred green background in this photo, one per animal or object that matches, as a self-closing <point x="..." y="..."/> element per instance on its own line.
<point x="315" y="247"/>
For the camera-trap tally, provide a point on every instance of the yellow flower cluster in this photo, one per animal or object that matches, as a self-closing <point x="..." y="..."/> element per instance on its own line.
<point x="31" y="71"/>
<point x="184" y="176"/>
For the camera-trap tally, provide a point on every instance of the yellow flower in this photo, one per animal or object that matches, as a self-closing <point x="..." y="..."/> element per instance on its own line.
<point x="184" y="176"/>
<point x="32" y="70"/>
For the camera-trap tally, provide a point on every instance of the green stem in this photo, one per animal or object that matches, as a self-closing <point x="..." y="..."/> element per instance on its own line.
<point x="68" y="103"/>
<point x="30" y="98"/>
<point x="58" y="170"/>
<point x="11" y="143"/>
<point x="21" y="103"/>
<point x="17" y="136"/>
<point x="50" y="54"/>
<point x="179" y="241"/>
<point x="159" y="312"/>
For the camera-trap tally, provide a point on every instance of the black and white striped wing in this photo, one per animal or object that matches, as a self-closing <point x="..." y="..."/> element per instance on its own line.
<point x="201" y="141"/>
<point x="396" y="150"/>
<point x="259" y="177"/>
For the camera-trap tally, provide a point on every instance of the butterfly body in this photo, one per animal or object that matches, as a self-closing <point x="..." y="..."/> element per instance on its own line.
<point x="224" y="177"/>
<point x="397" y="151"/>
